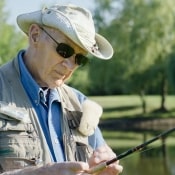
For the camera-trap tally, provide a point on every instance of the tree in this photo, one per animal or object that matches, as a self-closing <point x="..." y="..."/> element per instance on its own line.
<point x="171" y="69"/>
<point x="11" y="40"/>
<point x="80" y="80"/>
<point x="142" y="34"/>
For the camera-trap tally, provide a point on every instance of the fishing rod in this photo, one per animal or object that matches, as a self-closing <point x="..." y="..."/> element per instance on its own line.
<point x="103" y="165"/>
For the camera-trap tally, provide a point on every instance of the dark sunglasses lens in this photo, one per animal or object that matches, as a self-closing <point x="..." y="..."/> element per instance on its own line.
<point x="81" y="60"/>
<point x="65" y="50"/>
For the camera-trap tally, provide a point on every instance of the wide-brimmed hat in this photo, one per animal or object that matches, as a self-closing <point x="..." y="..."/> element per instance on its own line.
<point x="75" y="22"/>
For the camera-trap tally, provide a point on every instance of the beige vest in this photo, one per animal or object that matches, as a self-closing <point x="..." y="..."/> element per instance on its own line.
<point x="22" y="142"/>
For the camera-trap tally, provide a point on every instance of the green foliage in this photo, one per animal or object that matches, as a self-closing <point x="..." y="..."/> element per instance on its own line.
<point x="80" y="80"/>
<point x="11" y="40"/>
<point x="171" y="69"/>
<point x="142" y="34"/>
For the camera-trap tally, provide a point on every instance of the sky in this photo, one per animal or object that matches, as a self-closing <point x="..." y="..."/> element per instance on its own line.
<point x="16" y="7"/>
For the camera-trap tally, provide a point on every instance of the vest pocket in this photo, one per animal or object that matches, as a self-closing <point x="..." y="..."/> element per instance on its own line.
<point x="19" y="144"/>
<point x="83" y="152"/>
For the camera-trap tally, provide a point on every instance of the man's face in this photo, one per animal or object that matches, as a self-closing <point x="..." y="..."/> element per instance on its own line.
<point x="48" y="67"/>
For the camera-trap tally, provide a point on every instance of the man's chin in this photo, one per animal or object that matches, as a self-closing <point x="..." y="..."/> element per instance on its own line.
<point x="59" y="83"/>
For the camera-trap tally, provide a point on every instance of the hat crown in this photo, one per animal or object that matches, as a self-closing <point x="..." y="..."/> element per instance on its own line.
<point x="77" y="15"/>
<point x="79" y="20"/>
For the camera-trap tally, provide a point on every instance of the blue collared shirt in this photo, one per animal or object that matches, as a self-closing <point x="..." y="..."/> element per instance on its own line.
<point x="46" y="103"/>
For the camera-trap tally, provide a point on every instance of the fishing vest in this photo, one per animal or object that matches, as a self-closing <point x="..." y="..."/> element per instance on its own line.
<point x="22" y="141"/>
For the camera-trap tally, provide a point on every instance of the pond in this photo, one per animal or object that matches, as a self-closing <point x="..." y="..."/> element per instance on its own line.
<point x="156" y="159"/>
<point x="150" y="164"/>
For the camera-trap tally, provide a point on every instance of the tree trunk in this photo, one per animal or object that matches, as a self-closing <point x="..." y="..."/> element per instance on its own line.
<point x="142" y="96"/>
<point x="163" y="93"/>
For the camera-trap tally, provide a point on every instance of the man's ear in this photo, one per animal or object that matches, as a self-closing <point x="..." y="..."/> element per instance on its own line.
<point x="34" y="33"/>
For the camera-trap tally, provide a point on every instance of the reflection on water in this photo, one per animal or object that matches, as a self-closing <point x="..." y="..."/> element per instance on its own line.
<point x="159" y="160"/>
<point x="149" y="165"/>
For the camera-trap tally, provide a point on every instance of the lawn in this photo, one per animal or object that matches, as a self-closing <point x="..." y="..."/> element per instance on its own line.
<point x="118" y="107"/>
<point x="131" y="106"/>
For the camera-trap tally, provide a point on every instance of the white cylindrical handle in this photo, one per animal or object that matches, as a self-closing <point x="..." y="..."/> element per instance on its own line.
<point x="97" y="168"/>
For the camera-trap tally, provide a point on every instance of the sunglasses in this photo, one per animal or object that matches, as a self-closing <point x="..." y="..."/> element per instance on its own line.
<point x="66" y="51"/>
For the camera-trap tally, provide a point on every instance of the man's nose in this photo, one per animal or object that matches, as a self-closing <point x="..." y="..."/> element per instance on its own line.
<point x="69" y="63"/>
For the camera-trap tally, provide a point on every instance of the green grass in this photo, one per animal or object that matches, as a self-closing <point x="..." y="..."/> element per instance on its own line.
<point x="130" y="106"/>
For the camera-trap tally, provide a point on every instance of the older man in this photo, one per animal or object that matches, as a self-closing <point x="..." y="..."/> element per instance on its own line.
<point x="46" y="126"/>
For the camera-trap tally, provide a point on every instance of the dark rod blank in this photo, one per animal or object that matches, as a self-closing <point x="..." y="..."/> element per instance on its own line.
<point x="128" y="152"/>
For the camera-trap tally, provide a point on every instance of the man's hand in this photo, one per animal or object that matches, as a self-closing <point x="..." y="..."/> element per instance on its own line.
<point x="104" y="154"/>
<point x="65" y="168"/>
<point x="100" y="155"/>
